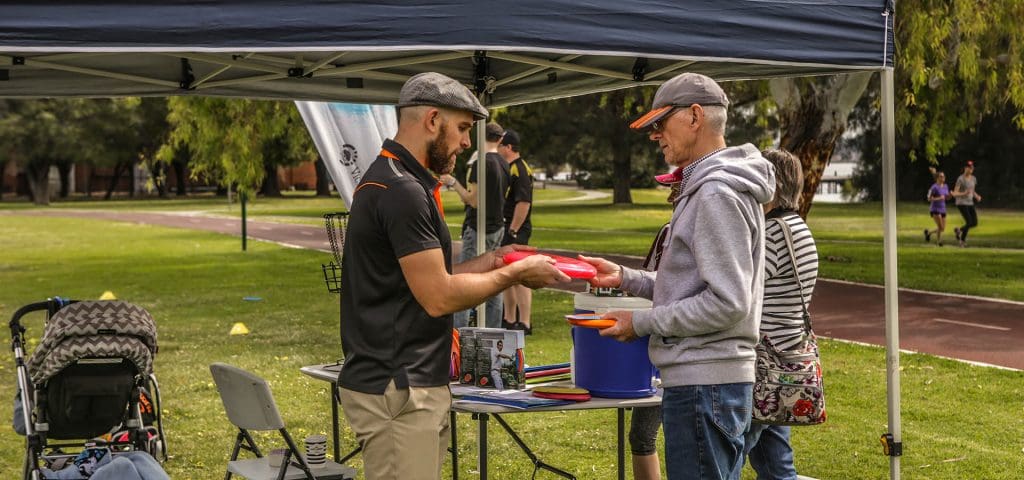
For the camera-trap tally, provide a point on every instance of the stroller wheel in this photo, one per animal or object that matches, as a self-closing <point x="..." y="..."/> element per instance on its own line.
<point x="156" y="449"/>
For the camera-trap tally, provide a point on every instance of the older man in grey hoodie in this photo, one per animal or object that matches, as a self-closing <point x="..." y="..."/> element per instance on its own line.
<point x="708" y="287"/>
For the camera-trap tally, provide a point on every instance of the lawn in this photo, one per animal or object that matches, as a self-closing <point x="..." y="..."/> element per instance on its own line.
<point x="849" y="236"/>
<point x="959" y="421"/>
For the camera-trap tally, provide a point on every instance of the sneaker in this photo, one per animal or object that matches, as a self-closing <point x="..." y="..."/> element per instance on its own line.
<point x="956" y="232"/>
<point x="507" y="325"/>
<point x="927" y="235"/>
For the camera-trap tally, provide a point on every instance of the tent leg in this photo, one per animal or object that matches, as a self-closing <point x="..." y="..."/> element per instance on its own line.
<point x="481" y="203"/>
<point x="892" y="322"/>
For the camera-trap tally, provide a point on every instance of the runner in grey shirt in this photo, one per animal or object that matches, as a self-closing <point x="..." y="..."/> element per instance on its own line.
<point x="965" y="196"/>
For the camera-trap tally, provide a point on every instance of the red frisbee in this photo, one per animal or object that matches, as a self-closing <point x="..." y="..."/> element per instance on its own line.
<point x="572" y="267"/>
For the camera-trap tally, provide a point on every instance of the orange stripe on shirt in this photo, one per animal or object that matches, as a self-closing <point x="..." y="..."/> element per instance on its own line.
<point x="437" y="188"/>
<point x="367" y="184"/>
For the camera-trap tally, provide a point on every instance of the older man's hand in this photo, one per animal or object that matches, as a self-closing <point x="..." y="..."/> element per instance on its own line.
<point x="623" y="328"/>
<point x="608" y="274"/>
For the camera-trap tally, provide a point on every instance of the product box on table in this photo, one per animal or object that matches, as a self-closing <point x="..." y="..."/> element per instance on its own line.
<point x="492" y="357"/>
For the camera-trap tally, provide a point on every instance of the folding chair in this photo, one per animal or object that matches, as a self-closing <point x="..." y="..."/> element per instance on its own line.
<point x="250" y="406"/>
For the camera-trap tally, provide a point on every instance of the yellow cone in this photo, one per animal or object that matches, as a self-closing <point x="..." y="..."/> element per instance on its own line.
<point x="108" y="295"/>
<point x="239" y="329"/>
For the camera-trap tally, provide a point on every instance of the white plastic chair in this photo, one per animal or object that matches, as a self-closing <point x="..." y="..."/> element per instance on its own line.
<point x="250" y="406"/>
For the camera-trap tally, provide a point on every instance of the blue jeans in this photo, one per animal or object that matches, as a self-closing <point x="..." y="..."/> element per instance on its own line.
<point x="495" y="309"/>
<point x="769" y="452"/>
<point x="704" y="427"/>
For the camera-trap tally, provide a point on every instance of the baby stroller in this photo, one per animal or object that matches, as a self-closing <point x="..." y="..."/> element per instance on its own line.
<point x="89" y="379"/>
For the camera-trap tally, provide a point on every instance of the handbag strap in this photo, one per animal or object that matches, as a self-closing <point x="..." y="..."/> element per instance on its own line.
<point x="796" y="272"/>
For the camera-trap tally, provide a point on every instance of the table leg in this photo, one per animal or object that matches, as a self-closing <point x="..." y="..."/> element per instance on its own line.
<point x="335" y="428"/>
<point x="454" y="448"/>
<point x="622" y="446"/>
<point x="538" y="464"/>
<point x="482" y="442"/>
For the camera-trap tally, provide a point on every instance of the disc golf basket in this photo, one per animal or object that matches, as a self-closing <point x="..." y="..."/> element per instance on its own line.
<point x="336" y="223"/>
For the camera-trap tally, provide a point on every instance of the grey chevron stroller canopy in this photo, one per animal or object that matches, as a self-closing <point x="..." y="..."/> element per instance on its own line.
<point x="95" y="329"/>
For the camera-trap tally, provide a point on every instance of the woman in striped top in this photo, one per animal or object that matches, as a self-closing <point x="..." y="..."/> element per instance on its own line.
<point x="782" y="322"/>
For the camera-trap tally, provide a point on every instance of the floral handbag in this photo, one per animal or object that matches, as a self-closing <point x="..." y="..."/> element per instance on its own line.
<point x="788" y="388"/>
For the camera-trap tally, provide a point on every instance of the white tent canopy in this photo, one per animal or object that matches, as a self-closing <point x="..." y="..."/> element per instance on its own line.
<point x="509" y="53"/>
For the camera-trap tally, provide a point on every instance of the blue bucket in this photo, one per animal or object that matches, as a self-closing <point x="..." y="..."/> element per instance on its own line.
<point x="609" y="368"/>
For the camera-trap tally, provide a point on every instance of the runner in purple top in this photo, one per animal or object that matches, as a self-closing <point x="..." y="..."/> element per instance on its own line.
<point x="937" y="195"/>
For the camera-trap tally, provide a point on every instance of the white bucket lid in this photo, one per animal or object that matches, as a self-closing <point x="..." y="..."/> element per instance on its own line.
<point x="596" y="304"/>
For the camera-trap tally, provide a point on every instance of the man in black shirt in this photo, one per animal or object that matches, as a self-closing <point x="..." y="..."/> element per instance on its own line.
<point x="497" y="180"/>
<point x="518" y="204"/>
<point x="399" y="287"/>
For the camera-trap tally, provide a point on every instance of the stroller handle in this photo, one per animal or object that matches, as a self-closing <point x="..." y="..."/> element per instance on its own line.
<point x="51" y="305"/>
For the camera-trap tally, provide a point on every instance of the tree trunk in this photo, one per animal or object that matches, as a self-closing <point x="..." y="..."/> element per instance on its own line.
<point x="323" y="179"/>
<point x="38" y="173"/>
<point x="812" y="116"/>
<point x="179" y="176"/>
<point x="156" y="173"/>
<point x="270" y="186"/>
<point x="64" y="169"/>
<point x="621" y="169"/>
<point x="621" y="148"/>
<point x="118" y="169"/>
<point x="88" y="181"/>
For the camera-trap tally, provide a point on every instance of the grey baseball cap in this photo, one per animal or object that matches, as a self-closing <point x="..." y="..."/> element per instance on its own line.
<point x="682" y="90"/>
<point x="437" y="90"/>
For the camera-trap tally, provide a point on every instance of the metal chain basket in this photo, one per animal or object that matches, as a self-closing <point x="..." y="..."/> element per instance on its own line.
<point x="336" y="223"/>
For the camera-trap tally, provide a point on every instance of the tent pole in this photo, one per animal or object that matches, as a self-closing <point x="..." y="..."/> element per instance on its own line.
<point x="892" y="322"/>
<point x="481" y="205"/>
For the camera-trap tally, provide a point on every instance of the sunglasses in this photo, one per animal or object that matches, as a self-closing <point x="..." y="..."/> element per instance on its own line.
<point x="658" y="125"/>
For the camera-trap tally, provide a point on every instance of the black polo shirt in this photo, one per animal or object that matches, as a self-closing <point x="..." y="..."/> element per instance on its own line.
<point x="520" y="189"/>
<point x="385" y="333"/>
<point x="497" y="182"/>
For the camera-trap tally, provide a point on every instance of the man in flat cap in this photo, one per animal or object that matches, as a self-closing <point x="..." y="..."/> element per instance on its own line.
<point x="399" y="287"/>
<point x="708" y="287"/>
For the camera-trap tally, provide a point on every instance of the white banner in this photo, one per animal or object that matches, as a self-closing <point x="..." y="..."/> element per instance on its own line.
<point x="348" y="137"/>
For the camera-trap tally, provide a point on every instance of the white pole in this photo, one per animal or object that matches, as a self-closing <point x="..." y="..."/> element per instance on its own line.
<point x="481" y="205"/>
<point x="892" y="321"/>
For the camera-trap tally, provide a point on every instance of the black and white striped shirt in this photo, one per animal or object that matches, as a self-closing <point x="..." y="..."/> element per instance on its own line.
<point x="782" y="313"/>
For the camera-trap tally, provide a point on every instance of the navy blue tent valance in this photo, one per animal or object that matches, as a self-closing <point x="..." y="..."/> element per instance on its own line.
<point x="517" y="52"/>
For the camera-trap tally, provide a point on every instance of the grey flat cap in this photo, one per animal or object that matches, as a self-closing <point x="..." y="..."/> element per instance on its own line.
<point x="434" y="89"/>
<point x="682" y="90"/>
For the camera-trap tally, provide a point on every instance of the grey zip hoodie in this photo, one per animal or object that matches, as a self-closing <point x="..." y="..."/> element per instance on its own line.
<point x="708" y="289"/>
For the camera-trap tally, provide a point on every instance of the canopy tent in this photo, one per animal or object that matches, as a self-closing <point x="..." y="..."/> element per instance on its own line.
<point x="520" y="52"/>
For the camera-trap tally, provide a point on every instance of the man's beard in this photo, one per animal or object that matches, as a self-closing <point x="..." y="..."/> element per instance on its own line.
<point x="439" y="159"/>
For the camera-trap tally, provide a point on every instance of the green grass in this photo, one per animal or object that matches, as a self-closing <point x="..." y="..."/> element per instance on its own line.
<point x="959" y="421"/>
<point x="849" y="236"/>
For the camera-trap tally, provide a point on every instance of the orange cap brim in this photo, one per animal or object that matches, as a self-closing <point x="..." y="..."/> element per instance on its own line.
<point x="650" y="117"/>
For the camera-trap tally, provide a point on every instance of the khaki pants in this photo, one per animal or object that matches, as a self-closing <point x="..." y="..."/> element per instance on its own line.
<point x="404" y="433"/>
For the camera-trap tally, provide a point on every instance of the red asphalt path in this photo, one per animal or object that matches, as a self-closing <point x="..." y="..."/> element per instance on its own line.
<point x="968" y="328"/>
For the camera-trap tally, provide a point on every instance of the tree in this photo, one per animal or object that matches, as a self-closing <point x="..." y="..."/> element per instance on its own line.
<point x="40" y="134"/>
<point x="590" y="133"/>
<point x="812" y="115"/>
<point x="238" y="142"/>
<point x="961" y="62"/>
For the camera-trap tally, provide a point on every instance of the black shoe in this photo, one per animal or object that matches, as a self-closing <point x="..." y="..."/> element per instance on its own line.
<point x="956" y="232"/>
<point x="527" y="329"/>
<point x="927" y="236"/>
<point x="507" y="325"/>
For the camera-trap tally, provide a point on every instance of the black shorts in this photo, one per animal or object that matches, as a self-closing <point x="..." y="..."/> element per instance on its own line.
<point x="522" y="236"/>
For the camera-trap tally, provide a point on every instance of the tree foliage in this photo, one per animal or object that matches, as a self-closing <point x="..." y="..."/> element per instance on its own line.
<point x="238" y="142"/>
<point x="591" y="134"/>
<point x="39" y="134"/>
<point x="957" y="62"/>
